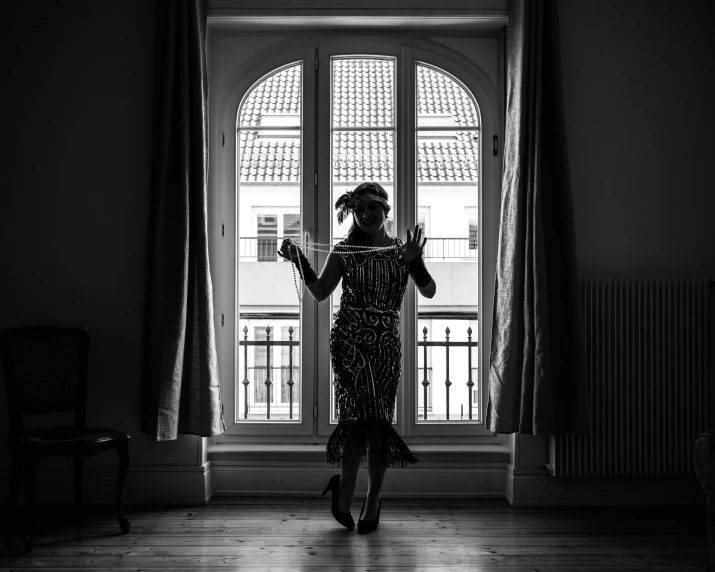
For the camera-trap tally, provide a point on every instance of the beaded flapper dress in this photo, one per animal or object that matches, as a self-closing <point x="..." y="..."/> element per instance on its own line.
<point x="365" y="352"/>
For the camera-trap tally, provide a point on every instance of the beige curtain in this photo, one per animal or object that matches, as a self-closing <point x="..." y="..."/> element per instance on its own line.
<point x="537" y="382"/>
<point x="180" y="384"/>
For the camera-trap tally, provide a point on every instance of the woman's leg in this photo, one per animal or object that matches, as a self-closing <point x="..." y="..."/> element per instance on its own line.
<point x="375" y="476"/>
<point x="348" y="476"/>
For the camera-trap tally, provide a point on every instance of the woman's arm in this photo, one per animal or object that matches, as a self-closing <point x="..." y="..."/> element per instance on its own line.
<point x="412" y="254"/>
<point x="322" y="287"/>
<point x="429" y="290"/>
<point x="329" y="278"/>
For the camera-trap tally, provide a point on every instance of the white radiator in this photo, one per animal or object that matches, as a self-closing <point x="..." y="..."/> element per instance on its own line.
<point x="647" y="364"/>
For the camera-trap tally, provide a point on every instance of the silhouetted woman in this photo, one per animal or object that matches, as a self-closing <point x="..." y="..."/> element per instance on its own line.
<point x="365" y="347"/>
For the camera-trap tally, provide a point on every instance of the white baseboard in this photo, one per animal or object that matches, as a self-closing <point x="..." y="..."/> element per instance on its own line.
<point x="191" y="485"/>
<point x="411" y="482"/>
<point x="169" y="485"/>
<point x="146" y="484"/>
<point x="538" y="488"/>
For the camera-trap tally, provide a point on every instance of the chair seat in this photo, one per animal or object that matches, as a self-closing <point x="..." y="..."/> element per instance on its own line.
<point x="65" y="440"/>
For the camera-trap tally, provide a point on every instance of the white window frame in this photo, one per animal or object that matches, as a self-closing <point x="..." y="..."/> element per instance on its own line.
<point x="489" y="180"/>
<point x="223" y="219"/>
<point x="222" y="213"/>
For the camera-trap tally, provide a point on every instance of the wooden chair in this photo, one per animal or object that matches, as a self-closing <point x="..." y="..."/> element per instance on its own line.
<point x="704" y="458"/>
<point x="46" y="371"/>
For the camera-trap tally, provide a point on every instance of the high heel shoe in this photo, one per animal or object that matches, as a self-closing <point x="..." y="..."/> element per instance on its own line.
<point x="346" y="519"/>
<point x="365" y="526"/>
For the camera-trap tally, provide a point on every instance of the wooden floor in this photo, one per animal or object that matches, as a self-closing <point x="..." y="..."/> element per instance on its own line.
<point x="300" y="534"/>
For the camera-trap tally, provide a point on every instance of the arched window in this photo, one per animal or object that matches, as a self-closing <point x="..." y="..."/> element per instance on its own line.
<point x="316" y="121"/>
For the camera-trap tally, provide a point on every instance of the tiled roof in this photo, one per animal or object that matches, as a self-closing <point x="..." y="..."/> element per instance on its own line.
<point x="277" y="94"/>
<point x="362" y="93"/>
<point x="437" y="93"/>
<point x="362" y="97"/>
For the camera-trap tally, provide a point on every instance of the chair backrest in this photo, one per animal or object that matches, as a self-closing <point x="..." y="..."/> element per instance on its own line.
<point x="45" y="371"/>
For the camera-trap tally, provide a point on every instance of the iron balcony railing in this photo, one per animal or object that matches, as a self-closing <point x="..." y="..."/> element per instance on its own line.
<point x="268" y="344"/>
<point x="279" y="376"/>
<point x="423" y="373"/>
<point x="262" y="249"/>
<point x="447" y="344"/>
<point x="426" y="383"/>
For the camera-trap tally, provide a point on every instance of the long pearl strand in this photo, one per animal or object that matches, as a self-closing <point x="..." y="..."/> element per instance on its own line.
<point x="319" y="247"/>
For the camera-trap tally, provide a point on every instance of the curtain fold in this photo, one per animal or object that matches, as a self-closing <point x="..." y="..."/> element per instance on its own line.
<point x="537" y="381"/>
<point x="180" y="384"/>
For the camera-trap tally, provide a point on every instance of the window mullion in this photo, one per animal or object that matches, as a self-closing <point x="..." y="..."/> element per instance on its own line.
<point x="406" y="219"/>
<point x="323" y="232"/>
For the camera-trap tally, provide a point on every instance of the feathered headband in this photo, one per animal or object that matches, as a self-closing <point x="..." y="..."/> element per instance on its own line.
<point x="351" y="200"/>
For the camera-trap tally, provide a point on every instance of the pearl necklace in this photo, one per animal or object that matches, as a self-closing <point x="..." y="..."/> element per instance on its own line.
<point x="319" y="247"/>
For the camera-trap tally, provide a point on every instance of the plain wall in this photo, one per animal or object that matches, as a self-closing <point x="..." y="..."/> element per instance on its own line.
<point x="638" y="97"/>
<point x="74" y="207"/>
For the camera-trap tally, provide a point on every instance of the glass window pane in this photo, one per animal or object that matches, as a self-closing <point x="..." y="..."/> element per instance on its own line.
<point x="359" y="157"/>
<point x="268" y="208"/>
<point x="448" y="188"/>
<point x="290" y="364"/>
<point x="473" y="229"/>
<point x="363" y="136"/>
<point x="260" y="363"/>
<point x="267" y="233"/>
<point x="275" y="100"/>
<point x="424" y="378"/>
<point x="291" y="225"/>
<point x="442" y="101"/>
<point x="363" y="92"/>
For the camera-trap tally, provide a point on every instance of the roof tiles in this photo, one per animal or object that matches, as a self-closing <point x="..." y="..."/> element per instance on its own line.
<point x="439" y="94"/>
<point x="362" y="97"/>
<point x="278" y="93"/>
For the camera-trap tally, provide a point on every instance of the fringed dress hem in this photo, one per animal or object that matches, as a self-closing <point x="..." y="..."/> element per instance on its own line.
<point x="374" y="437"/>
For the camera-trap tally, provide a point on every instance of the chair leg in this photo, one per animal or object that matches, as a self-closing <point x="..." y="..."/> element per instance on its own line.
<point x="15" y="484"/>
<point x="30" y="471"/>
<point x="711" y="530"/>
<point x="78" y="486"/>
<point x="123" y="452"/>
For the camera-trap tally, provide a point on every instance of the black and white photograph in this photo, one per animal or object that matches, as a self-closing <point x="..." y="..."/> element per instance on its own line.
<point x="327" y="285"/>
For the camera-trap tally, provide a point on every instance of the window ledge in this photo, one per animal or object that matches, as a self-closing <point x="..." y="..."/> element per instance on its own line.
<point x="429" y="455"/>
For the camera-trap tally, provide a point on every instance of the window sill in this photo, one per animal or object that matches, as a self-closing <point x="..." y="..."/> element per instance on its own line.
<point x="429" y="455"/>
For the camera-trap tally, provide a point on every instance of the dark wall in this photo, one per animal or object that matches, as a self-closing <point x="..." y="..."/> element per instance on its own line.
<point x="638" y="95"/>
<point x="638" y="98"/>
<point x="73" y="213"/>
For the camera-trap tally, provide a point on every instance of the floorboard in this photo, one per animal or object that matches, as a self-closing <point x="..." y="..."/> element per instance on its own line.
<point x="282" y="534"/>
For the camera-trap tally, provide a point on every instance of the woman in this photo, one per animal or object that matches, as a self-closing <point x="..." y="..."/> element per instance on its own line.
<point x="365" y="347"/>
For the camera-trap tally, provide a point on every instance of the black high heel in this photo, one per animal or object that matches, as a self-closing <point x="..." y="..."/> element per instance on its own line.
<point x="365" y="526"/>
<point x="346" y="519"/>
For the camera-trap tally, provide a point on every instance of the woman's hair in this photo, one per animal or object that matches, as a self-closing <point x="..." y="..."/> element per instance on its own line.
<point x="355" y="235"/>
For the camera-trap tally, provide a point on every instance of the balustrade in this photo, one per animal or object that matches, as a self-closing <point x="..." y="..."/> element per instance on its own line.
<point x="447" y="344"/>
<point x="268" y="344"/>
<point x="263" y="249"/>
<point x="270" y="370"/>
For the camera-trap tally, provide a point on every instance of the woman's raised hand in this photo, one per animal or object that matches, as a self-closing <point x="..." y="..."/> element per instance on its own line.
<point x="289" y="250"/>
<point x="414" y="245"/>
